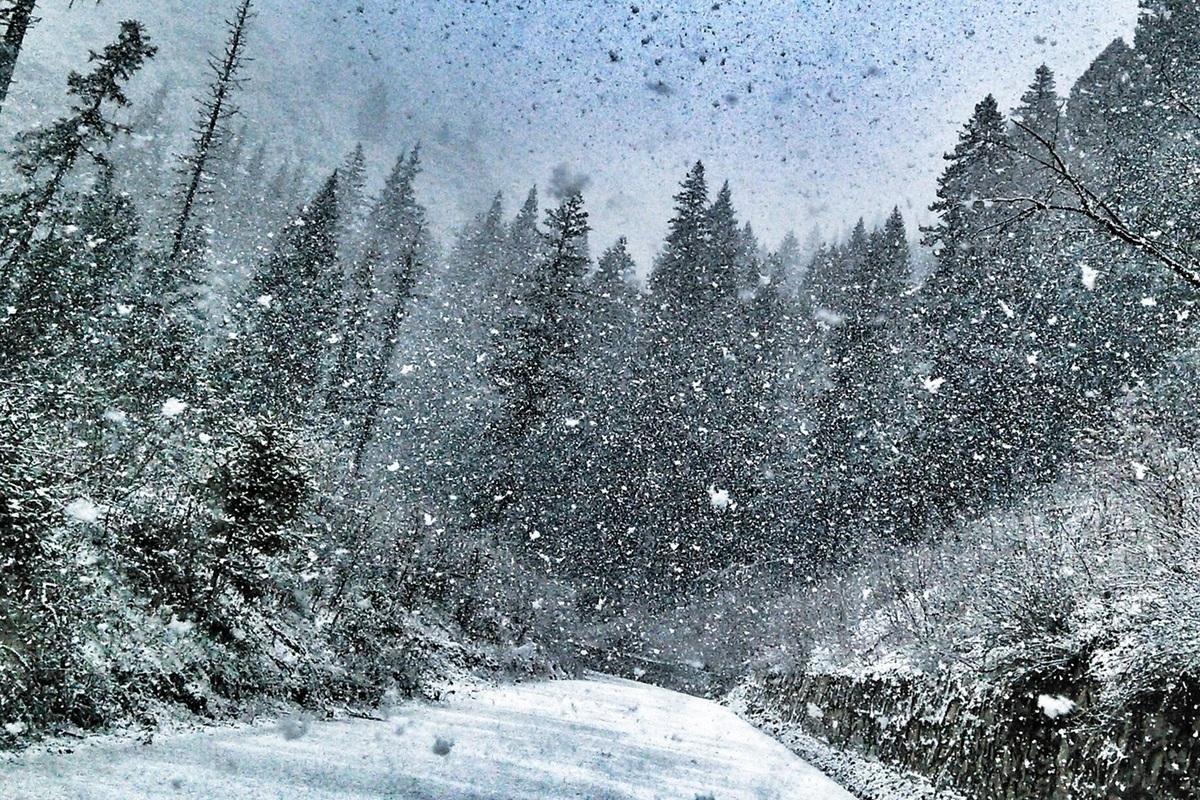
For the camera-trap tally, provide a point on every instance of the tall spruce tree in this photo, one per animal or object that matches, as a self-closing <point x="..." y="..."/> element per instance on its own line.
<point x="992" y="388"/>
<point x="398" y="250"/>
<point x="536" y="369"/>
<point x="691" y="440"/>
<point x="293" y="300"/>
<point x="353" y="182"/>
<point x="614" y="305"/>
<point x="479" y="279"/>
<point x="858" y="413"/>
<point x="678" y="280"/>
<point x="45" y="157"/>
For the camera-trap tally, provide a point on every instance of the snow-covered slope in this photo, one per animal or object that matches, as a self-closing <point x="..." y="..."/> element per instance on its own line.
<point x="601" y="738"/>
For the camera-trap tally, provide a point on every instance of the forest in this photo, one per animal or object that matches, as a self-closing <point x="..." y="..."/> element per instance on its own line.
<point x="265" y="436"/>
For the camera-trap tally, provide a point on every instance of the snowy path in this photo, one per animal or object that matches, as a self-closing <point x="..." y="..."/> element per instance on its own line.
<point x="604" y="738"/>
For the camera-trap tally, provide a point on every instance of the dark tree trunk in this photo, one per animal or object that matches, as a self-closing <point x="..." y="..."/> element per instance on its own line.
<point x="216" y="111"/>
<point x="20" y="18"/>
<point x="380" y="369"/>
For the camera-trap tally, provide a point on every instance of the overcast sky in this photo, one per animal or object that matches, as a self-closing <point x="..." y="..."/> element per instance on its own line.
<point x="816" y="112"/>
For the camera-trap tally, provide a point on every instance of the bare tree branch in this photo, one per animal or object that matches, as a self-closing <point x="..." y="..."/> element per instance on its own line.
<point x="1091" y="206"/>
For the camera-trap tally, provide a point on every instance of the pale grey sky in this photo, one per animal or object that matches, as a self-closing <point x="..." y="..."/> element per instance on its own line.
<point x="816" y="112"/>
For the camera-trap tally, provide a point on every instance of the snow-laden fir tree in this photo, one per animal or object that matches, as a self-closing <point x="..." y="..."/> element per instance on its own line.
<point x="34" y="278"/>
<point x="397" y="251"/>
<point x="536" y="368"/>
<point x="292" y="305"/>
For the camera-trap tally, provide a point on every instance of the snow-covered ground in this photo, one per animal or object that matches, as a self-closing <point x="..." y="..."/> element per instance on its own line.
<point x="597" y="738"/>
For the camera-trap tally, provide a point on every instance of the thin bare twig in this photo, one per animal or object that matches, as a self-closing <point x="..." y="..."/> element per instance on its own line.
<point x="1093" y="207"/>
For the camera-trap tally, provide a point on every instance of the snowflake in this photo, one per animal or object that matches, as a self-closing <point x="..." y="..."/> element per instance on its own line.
<point x="719" y="498"/>
<point x="1088" y="276"/>
<point x="173" y="407"/>
<point x="1055" y="706"/>
<point x="83" y="510"/>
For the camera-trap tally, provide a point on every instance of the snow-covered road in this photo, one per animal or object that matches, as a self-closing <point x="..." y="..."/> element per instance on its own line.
<point x="601" y="738"/>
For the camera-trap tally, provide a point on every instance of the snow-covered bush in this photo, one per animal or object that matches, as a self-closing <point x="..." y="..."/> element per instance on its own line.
<point x="43" y="674"/>
<point x="213" y="524"/>
<point x="25" y="513"/>
<point x="145" y="561"/>
<point x="1146" y="622"/>
<point x="1098" y="573"/>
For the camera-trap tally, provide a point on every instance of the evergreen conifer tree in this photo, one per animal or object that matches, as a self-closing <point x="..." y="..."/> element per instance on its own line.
<point x="46" y="157"/>
<point x="38" y="275"/>
<point x="215" y="112"/>
<point x="294" y="304"/>
<point x="399" y="250"/>
<point x="18" y="18"/>
<point x="692" y="442"/>
<point x="536" y="368"/>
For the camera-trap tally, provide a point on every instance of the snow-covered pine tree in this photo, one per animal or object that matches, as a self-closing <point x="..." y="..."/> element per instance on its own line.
<point x="352" y="184"/>
<point x="346" y="389"/>
<point x="400" y="249"/>
<point x="614" y="303"/>
<point x="535" y="365"/>
<point x="678" y="279"/>
<point x="103" y="261"/>
<point x="293" y="301"/>
<point x="536" y="371"/>
<point x="695" y="472"/>
<point x="859" y="414"/>
<point x="988" y="392"/>
<point x="977" y="169"/>
<point x="46" y="157"/>
<point x="601" y="486"/>
<point x="478" y="282"/>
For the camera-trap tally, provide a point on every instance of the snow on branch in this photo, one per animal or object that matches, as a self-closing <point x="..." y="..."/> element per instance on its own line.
<point x="1088" y="204"/>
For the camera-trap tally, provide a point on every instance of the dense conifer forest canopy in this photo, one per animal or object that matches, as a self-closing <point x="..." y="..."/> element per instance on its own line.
<point x="266" y="433"/>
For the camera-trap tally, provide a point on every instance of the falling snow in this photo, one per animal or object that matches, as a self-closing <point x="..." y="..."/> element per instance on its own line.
<point x="836" y="359"/>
